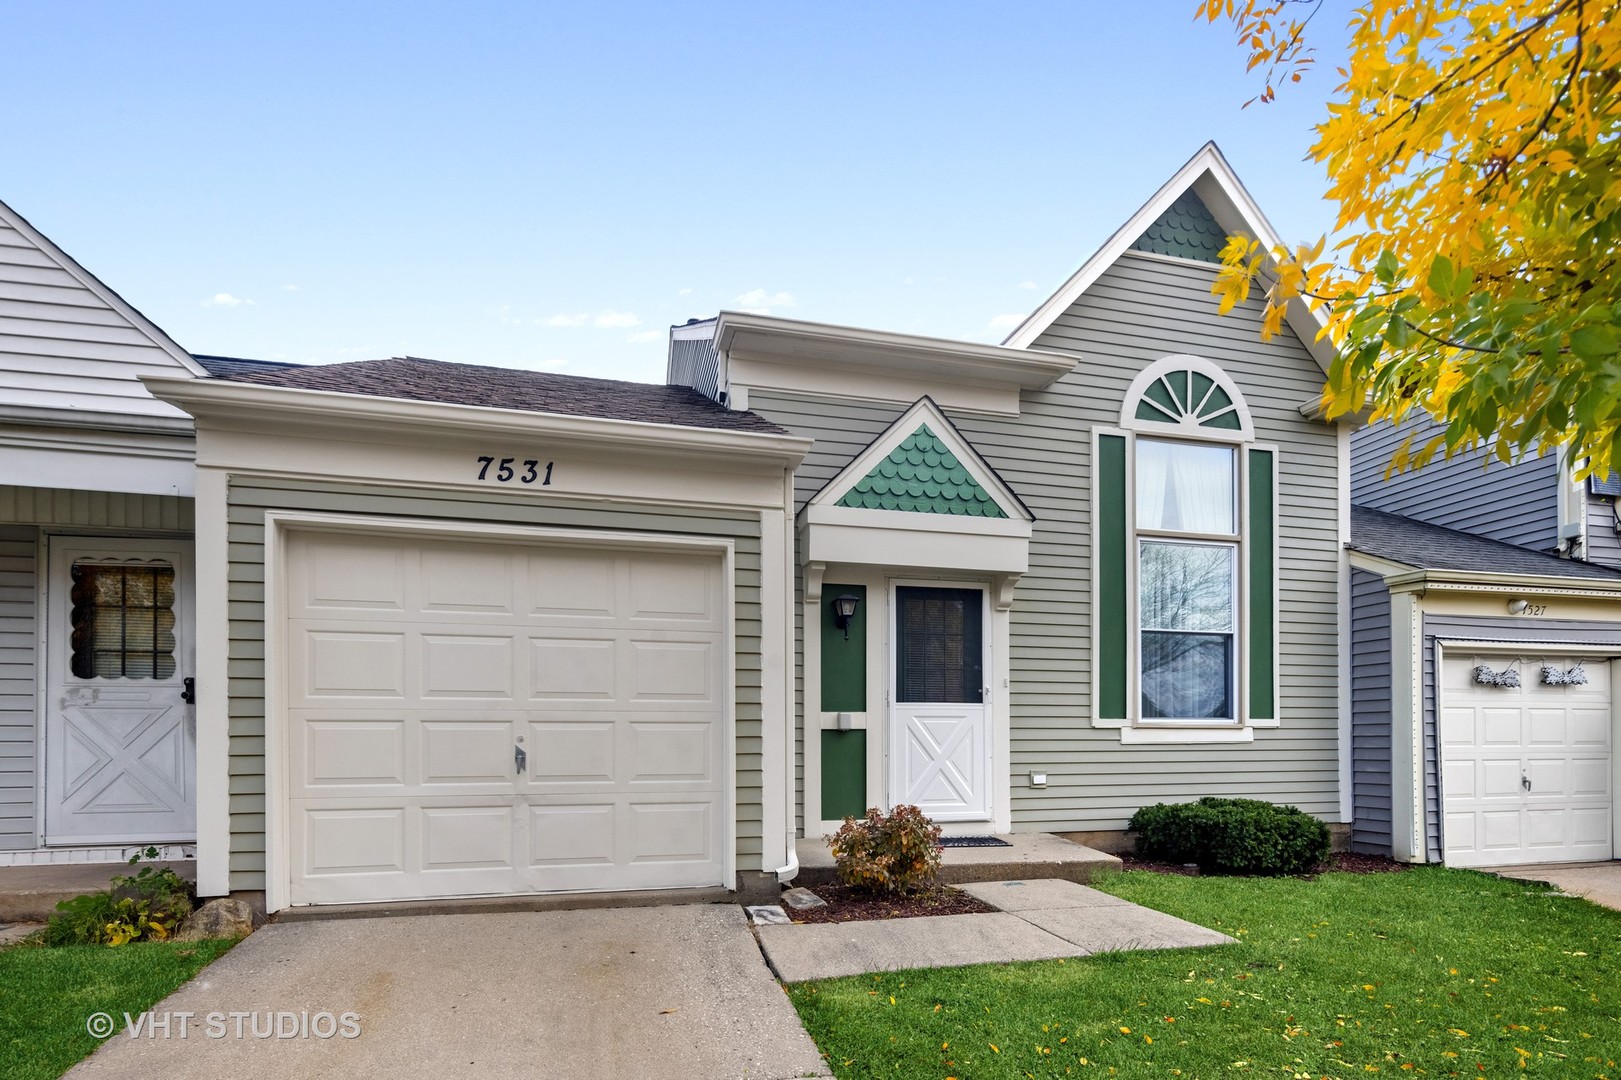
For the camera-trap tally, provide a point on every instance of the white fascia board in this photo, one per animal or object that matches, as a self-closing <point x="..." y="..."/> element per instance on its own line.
<point x="1374" y="564"/>
<point x="107" y="296"/>
<point x="1218" y="186"/>
<point x="1480" y="581"/>
<point x="906" y="520"/>
<point x="205" y="398"/>
<point x="924" y="411"/>
<point x="97" y="421"/>
<point x="124" y="462"/>
<point x="772" y="339"/>
<point x="914" y="549"/>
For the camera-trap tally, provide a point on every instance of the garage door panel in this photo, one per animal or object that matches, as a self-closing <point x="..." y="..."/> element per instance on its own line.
<point x="674" y="589"/>
<point x="672" y="670"/>
<point x="467" y="580"/>
<point x="352" y="664"/>
<point x="1556" y="738"/>
<point x="671" y="752"/>
<point x="574" y="585"/>
<point x="349" y="575"/>
<point x="353" y="840"/>
<point x="573" y="669"/>
<point x="461" y="751"/>
<point x="467" y="837"/>
<point x="462" y="666"/>
<point x="350" y="753"/>
<point x="572" y="752"/>
<point x="669" y="832"/>
<point x="572" y="835"/>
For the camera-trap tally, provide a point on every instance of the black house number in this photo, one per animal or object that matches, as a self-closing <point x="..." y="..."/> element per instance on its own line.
<point x="508" y="470"/>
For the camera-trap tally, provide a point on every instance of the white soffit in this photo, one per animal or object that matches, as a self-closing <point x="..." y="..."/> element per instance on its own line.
<point x="1210" y="177"/>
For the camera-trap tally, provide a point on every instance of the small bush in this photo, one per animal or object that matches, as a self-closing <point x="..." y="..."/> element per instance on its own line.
<point x="893" y="853"/>
<point x="146" y="906"/>
<point x="1232" y="836"/>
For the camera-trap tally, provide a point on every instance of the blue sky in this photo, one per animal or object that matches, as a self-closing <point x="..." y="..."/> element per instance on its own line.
<point x="550" y="186"/>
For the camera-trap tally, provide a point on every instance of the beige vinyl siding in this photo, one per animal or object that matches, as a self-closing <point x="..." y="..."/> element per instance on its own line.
<point x="64" y="347"/>
<point x="1472" y="492"/>
<point x="250" y="499"/>
<point x="19" y="545"/>
<point x="1140" y="310"/>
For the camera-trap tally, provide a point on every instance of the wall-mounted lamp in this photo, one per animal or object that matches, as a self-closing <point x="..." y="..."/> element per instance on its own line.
<point x="844" y="609"/>
<point x="1518" y="607"/>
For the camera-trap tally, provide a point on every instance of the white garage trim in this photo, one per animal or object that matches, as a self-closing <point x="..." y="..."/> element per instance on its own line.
<point x="278" y="862"/>
<point x="1500" y="648"/>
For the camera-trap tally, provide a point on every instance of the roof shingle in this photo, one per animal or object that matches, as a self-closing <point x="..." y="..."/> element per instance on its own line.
<point x="416" y="379"/>
<point x="1431" y="547"/>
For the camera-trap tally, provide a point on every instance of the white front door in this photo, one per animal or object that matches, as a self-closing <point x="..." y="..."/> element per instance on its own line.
<point x="120" y="736"/>
<point x="1526" y="771"/>
<point x="468" y="718"/>
<point x="939" y="720"/>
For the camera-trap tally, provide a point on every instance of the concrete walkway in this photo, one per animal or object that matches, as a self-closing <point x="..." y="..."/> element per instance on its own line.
<point x="1598" y="882"/>
<point x="632" y="993"/>
<point x="1037" y="920"/>
<point x="1026" y="856"/>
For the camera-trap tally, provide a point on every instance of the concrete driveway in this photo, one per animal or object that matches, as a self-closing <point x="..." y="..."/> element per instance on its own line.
<point x="631" y="992"/>
<point x="1598" y="882"/>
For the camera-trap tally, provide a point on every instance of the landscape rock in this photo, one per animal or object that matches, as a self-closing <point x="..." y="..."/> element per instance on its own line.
<point x="800" y="899"/>
<point x="221" y="918"/>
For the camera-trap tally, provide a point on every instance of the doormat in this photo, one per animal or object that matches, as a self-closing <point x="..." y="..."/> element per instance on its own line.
<point x="973" y="841"/>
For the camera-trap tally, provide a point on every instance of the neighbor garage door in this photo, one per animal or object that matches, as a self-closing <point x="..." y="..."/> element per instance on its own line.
<point x="1526" y="771"/>
<point x="489" y="718"/>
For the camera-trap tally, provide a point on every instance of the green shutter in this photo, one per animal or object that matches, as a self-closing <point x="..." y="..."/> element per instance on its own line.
<point x="844" y="774"/>
<point x="1263" y="601"/>
<point x="844" y="661"/>
<point x="1112" y="626"/>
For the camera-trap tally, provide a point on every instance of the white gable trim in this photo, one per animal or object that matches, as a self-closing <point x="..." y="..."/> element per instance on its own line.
<point x="102" y="292"/>
<point x="924" y="411"/>
<point x="1213" y="180"/>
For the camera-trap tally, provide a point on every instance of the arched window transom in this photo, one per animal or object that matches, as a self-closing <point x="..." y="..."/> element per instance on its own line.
<point x="1186" y="395"/>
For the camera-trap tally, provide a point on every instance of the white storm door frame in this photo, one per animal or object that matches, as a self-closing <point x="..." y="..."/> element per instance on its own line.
<point x="1606" y="653"/>
<point x="57" y="684"/>
<point x="894" y="722"/>
<point x="278" y="861"/>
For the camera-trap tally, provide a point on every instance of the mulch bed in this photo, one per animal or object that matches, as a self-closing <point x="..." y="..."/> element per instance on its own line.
<point x="1343" y="862"/>
<point x="845" y="904"/>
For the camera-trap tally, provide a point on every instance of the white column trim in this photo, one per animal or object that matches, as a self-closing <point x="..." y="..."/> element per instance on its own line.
<point x="1407" y="839"/>
<point x="213" y="565"/>
<point x="774" y="721"/>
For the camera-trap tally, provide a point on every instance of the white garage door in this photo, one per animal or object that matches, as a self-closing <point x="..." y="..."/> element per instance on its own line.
<point x="1526" y="772"/>
<point x="467" y="718"/>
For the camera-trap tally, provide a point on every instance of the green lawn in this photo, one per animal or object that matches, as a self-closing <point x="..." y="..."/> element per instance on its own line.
<point x="46" y="995"/>
<point x="1426" y="972"/>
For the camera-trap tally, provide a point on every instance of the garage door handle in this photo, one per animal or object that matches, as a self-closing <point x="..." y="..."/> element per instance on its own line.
<point x="520" y="759"/>
<point x="1525" y="782"/>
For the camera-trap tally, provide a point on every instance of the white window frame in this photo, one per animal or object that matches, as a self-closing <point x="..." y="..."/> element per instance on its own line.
<point x="1241" y="727"/>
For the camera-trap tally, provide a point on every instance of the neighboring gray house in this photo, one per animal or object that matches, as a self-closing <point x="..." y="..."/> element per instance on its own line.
<point x="1486" y="608"/>
<point x="1097" y="567"/>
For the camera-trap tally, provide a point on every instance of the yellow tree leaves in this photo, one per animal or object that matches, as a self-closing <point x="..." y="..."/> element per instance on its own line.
<point x="1474" y="150"/>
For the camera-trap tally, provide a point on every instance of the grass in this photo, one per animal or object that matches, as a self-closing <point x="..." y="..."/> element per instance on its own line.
<point x="1427" y="972"/>
<point x="46" y="995"/>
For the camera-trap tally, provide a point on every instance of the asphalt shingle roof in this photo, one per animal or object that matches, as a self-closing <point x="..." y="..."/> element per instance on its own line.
<point x="229" y="367"/>
<point x="1431" y="547"/>
<point x="417" y="379"/>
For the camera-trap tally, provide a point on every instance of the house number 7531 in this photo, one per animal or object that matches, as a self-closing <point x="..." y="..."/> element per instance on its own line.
<point x="527" y="471"/>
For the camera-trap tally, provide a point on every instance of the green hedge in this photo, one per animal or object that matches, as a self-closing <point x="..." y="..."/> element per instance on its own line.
<point x="1232" y="836"/>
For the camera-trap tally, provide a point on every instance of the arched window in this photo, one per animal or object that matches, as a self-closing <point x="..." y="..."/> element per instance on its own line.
<point x="1183" y="528"/>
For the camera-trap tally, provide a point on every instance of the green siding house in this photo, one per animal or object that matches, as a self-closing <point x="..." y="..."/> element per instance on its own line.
<point x="1098" y="566"/>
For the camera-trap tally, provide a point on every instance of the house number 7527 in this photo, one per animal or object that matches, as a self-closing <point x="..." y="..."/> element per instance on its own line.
<point x="527" y="471"/>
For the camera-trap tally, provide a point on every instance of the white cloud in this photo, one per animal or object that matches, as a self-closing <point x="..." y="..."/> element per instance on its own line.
<point x="1028" y="285"/>
<point x="289" y="288"/>
<point x="760" y="302"/>
<point x="225" y="299"/>
<point x="616" y="320"/>
<point x="641" y="336"/>
<point x="683" y="292"/>
<point x="1007" y="322"/>
<point x="568" y="320"/>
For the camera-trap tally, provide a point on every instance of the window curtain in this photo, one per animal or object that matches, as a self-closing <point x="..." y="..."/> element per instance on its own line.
<point x="1185" y="487"/>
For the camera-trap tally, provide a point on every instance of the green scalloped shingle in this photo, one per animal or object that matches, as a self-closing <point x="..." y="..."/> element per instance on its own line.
<point x="923" y="477"/>
<point x="1185" y="230"/>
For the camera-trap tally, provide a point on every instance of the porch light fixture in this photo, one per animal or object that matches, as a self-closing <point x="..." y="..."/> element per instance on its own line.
<point x="844" y="609"/>
<point x="1518" y="606"/>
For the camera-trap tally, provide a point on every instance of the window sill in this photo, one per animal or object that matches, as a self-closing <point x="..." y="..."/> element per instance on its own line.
<point x="1187" y="735"/>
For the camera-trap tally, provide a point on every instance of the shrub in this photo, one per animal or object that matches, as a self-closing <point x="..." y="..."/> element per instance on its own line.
<point x="892" y="853"/>
<point x="146" y="906"/>
<point x="1232" y="836"/>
